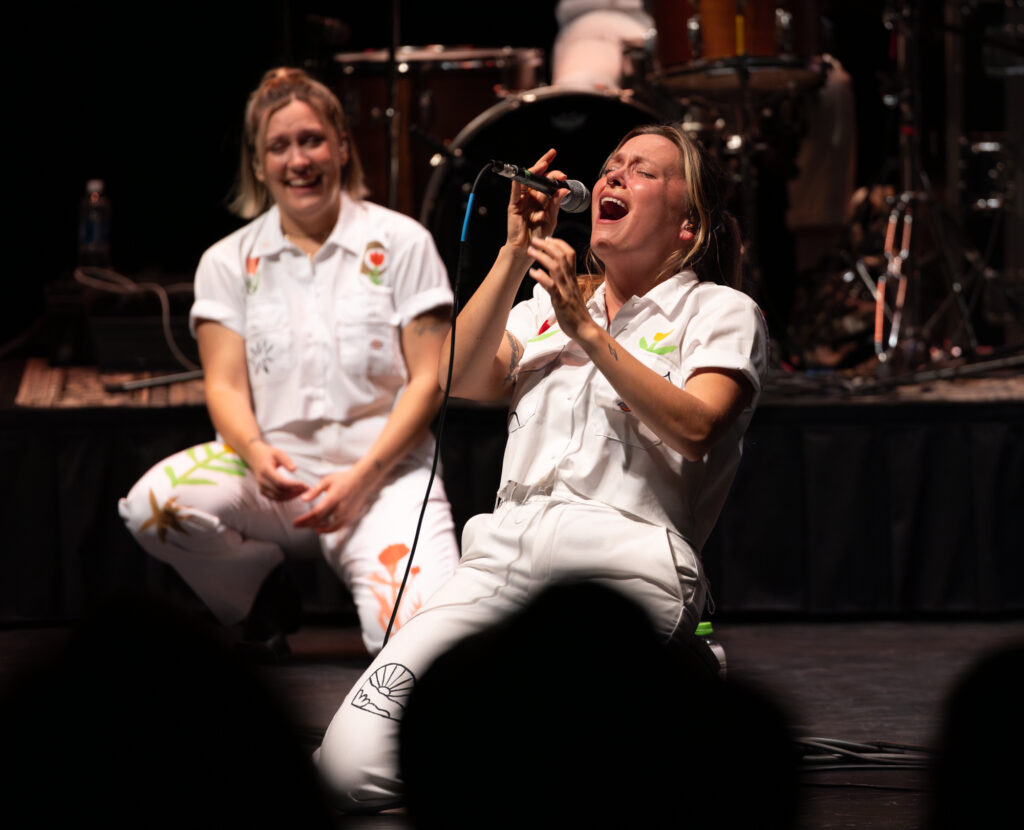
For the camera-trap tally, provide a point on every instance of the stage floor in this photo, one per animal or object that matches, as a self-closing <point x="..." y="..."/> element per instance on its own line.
<point x="862" y="682"/>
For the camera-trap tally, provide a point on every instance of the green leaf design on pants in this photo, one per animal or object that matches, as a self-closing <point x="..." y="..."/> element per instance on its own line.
<point x="224" y="461"/>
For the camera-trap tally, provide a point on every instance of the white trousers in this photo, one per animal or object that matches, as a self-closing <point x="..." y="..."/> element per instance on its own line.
<point x="508" y="557"/>
<point x="201" y="512"/>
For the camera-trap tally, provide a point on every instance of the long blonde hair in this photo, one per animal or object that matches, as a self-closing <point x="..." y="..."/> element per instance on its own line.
<point x="715" y="254"/>
<point x="279" y="88"/>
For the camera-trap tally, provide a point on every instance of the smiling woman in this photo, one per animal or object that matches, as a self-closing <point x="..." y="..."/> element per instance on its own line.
<point x="319" y="326"/>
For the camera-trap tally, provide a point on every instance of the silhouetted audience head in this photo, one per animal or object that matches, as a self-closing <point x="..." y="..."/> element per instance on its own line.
<point x="144" y="719"/>
<point x="572" y="713"/>
<point x="978" y="770"/>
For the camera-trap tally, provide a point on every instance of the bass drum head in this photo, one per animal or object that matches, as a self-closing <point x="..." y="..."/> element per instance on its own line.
<point x="582" y="126"/>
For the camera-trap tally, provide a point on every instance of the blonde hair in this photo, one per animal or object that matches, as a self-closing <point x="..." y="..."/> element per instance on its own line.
<point x="279" y="88"/>
<point x="715" y="254"/>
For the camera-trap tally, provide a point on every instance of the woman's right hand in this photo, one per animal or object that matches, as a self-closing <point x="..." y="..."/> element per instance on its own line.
<point x="266" y="463"/>
<point x="530" y="212"/>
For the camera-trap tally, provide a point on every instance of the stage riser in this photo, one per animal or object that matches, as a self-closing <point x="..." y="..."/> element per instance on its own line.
<point x="836" y="510"/>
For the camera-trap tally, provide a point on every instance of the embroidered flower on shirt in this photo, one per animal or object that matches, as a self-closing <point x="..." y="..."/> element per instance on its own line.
<point x="654" y="348"/>
<point x="544" y="332"/>
<point x="374" y="261"/>
<point x="260" y="355"/>
<point x="252" y="274"/>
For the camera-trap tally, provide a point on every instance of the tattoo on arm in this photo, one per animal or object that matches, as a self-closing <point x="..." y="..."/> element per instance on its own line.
<point x="612" y="352"/>
<point x="513" y="363"/>
<point x="430" y="325"/>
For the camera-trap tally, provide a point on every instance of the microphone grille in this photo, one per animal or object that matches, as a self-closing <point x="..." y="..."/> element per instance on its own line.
<point x="578" y="199"/>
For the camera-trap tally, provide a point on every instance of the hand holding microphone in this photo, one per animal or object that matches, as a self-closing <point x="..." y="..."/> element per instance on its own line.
<point x="577" y="201"/>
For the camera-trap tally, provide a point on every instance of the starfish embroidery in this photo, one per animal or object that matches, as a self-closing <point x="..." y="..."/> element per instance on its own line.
<point x="164" y="518"/>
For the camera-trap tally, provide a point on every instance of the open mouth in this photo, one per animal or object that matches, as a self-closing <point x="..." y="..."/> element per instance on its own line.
<point x="612" y="209"/>
<point x="308" y="181"/>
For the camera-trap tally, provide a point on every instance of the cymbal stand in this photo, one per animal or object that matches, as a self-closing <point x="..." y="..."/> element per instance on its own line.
<point x="902" y="210"/>
<point x="904" y="21"/>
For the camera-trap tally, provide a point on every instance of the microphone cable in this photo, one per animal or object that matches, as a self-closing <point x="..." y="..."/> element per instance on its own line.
<point x="463" y="257"/>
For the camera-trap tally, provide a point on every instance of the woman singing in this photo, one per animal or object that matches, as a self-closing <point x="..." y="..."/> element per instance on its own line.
<point x="630" y="391"/>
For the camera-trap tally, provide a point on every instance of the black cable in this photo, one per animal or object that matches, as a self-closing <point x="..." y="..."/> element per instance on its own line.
<point x="106" y="279"/>
<point x="463" y="248"/>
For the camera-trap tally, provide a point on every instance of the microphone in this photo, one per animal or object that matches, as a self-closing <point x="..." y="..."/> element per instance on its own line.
<point x="577" y="201"/>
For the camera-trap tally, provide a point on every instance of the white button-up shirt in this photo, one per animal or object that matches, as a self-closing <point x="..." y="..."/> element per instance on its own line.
<point x="322" y="333"/>
<point x="571" y="433"/>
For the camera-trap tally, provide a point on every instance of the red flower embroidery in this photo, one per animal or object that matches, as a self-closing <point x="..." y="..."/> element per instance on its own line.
<point x="544" y="327"/>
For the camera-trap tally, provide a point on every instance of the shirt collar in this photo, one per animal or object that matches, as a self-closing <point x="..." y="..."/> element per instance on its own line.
<point x="350" y="234"/>
<point x="270" y="238"/>
<point x="665" y="295"/>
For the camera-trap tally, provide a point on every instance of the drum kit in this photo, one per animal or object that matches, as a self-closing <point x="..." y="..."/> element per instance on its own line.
<point x="735" y="74"/>
<point x="426" y="120"/>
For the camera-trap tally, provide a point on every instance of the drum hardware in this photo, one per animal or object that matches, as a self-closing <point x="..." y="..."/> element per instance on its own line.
<point x="986" y="173"/>
<point x="903" y="265"/>
<point x="405" y="102"/>
<point x="722" y="46"/>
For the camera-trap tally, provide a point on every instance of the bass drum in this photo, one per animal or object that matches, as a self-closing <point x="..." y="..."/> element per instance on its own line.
<point x="583" y="126"/>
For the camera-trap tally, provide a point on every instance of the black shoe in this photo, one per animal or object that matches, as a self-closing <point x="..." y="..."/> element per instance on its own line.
<point x="276" y="611"/>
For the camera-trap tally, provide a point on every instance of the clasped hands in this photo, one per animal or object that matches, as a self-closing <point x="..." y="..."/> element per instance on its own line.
<point x="341" y="494"/>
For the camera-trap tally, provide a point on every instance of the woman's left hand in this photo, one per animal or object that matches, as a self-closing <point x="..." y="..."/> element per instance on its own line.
<point x="558" y="277"/>
<point x="344" y="494"/>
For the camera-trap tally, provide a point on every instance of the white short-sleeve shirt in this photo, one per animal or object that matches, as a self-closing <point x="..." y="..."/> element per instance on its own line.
<point x="322" y="333"/>
<point x="570" y="431"/>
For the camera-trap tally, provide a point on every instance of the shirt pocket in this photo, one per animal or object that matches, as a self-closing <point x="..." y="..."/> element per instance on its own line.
<point x="367" y="336"/>
<point x="613" y="419"/>
<point x="268" y="345"/>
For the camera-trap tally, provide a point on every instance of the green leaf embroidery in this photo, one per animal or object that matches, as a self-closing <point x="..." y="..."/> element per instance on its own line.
<point x="224" y="461"/>
<point x="543" y="336"/>
<point x="655" y="349"/>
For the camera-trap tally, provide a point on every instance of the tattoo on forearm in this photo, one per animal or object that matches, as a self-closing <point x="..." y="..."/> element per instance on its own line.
<point x="431" y="325"/>
<point x="513" y="363"/>
<point x="612" y="352"/>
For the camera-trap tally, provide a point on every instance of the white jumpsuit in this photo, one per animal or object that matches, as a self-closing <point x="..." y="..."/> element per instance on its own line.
<point x="322" y="340"/>
<point x="588" y="492"/>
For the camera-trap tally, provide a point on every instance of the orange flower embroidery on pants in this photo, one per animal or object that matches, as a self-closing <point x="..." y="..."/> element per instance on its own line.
<point x="390" y="583"/>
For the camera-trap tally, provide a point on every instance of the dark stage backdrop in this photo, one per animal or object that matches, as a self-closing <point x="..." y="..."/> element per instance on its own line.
<point x="151" y="102"/>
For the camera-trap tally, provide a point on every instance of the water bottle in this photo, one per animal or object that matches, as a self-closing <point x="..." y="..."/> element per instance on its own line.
<point x="94" y="226"/>
<point x="705" y="631"/>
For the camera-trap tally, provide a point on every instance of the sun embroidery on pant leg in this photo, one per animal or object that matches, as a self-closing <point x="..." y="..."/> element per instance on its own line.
<point x="164" y="518"/>
<point x="385" y="691"/>
<point x="391" y="582"/>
